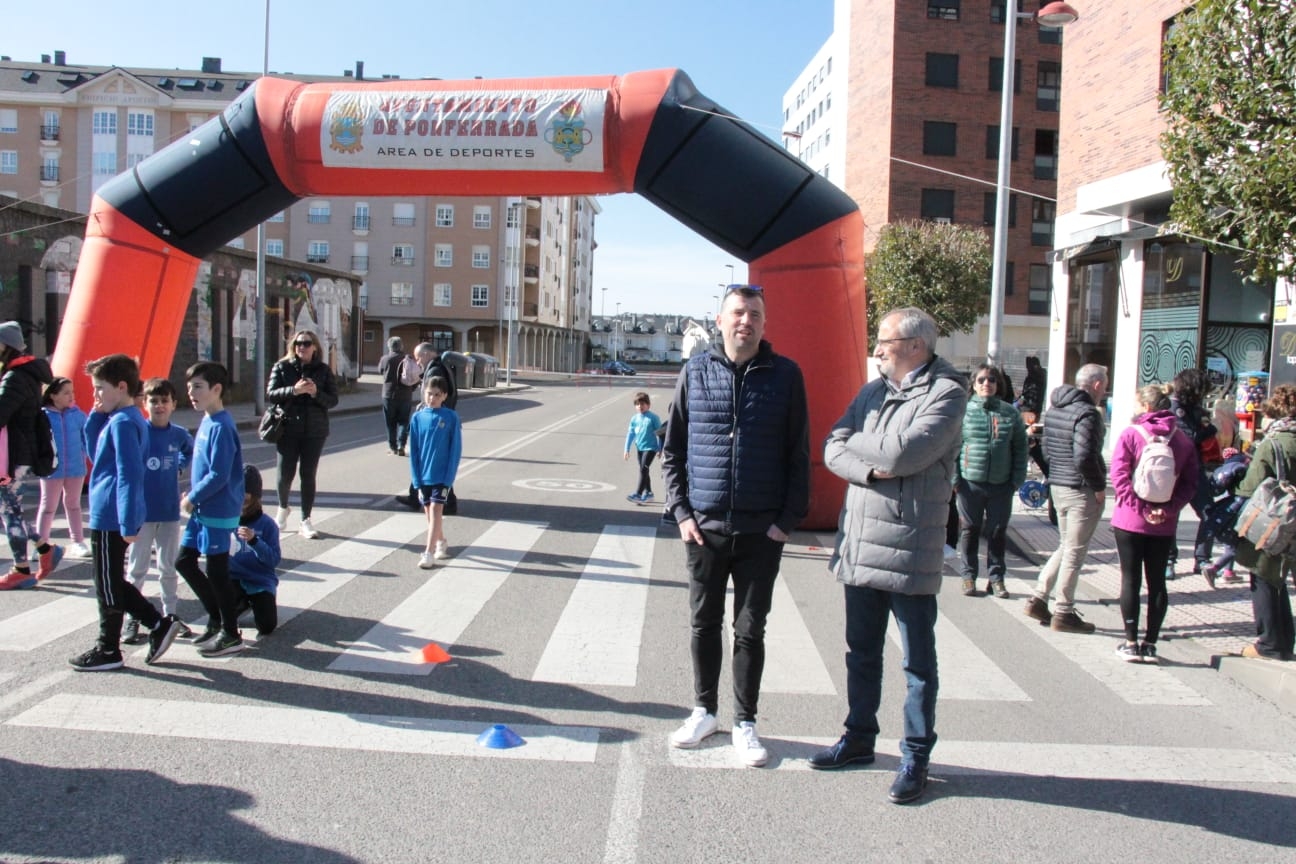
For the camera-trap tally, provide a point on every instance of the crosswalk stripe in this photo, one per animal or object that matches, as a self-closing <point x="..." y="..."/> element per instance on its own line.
<point x="1135" y="683"/>
<point x="966" y="673"/>
<point x="792" y="660"/>
<point x="1031" y="759"/>
<point x="443" y="607"/>
<point x="301" y="727"/>
<point x="596" y="639"/>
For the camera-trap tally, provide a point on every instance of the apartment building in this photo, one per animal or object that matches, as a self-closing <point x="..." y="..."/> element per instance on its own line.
<point x="451" y="271"/>
<point x="900" y="108"/>
<point x="1132" y="293"/>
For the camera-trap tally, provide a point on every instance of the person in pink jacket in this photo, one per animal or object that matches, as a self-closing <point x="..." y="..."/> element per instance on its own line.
<point x="1145" y="530"/>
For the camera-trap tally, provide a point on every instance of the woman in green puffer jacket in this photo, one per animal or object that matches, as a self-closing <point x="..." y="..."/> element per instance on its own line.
<point x="990" y="468"/>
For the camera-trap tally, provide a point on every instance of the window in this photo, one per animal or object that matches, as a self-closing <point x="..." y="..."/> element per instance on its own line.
<point x="1049" y="35"/>
<point x="992" y="142"/>
<point x="50" y="169"/>
<point x="996" y="75"/>
<point x="139" y="123"/>
<point x="320" y="213"/>
<point x="104" y="123"/>
<point x="1048" y="86"/>
<point x="105" y="164"/>
<point x="275" y="248"/>
<point x="8" y="161"/>
<point x="360" y="257"/>
<point x="1046" y="154"/>
<point x="991" y="201"/>
<point x="444" y="253"/>
<point x="939" y="139"/>
<point x="481" y="217"/>
<point x="1041" y="288"/>
<point x="236" y="243"/>
<point x="360" y="222"/>
<point x="50" y="127"/>
<point x="480" y="296"/>
<point x="445" y="215"/>
<point x="402" y="294"/>
<point x="1167" y="33"/>
<point x="317" y="251"/>
<point x="942" y="70"/>
<point x="441" y="294"/>
<point x="997" y="9"/>
<point x="946" y="10"/>
<point x="938" y="205"/>
<point x="442" y="340"/>
<point x="403" y="255"/>
<point x="1042" y="222"/>
<point x="133" y="159"/>
<point x="403" y="214"/>
<point x="362" y="300"/>
<point x="8" y="120"/>
<point x="278" y="217"/>
<point x="481" y="257"/>
<point x="512" y="219"/>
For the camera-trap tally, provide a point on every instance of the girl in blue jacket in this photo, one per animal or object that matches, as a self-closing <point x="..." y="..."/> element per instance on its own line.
<point x="67" y="422"/>
<point x="435" y="445"/>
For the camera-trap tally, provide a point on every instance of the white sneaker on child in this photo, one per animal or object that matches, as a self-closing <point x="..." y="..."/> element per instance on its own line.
<point x="281" y="517"/>
<point x="425" y="561"/>
<point x="77" y="550"/>
<point x="442" y="552"/>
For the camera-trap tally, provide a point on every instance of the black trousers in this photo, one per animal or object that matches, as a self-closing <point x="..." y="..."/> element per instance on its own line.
<point x="396" y="414"/>
<point x="116" y="596"/>
<point x="265" y="611"/>
<point x="213" y="588"/>
<point x="1272" y="609"/>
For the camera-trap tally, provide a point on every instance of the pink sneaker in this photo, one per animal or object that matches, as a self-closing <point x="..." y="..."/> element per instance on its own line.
<point x="1230" y="576"/>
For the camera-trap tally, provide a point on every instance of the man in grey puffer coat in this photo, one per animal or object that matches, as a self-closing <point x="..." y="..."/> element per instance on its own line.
<point x="896" y="445"/>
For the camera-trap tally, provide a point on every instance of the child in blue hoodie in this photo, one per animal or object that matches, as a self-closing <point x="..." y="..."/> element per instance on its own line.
<point x="254" y="557"/>
<point x="435" y="445"/>
<point x="214" y="502"/>
<point x="117" y="439"/>
<point x="67" y="422"/>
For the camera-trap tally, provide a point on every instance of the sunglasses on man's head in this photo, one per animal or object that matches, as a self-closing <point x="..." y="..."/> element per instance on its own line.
<point x="745" y="290"/>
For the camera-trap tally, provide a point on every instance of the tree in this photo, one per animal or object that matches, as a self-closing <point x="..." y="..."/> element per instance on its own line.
<point x="942" y="269"/>
<point x="1230" y="141"/>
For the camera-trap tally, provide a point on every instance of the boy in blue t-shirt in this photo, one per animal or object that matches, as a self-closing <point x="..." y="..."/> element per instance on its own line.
<point x="435" y="446"/>
<point x="170" y="447"/>
<point x="642" y="436"/>
<point x="214" y="502"/>
<point x="117" y="439"/>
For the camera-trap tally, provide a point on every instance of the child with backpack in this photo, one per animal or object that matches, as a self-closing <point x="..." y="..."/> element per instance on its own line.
<point x="1222" y="514"/>
<point x="67" y="421"/>
<point x="1154" y="476"/>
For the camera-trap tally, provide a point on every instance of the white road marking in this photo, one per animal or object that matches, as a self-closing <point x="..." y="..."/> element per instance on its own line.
<point x="27" y="691"/>
<point x="49" y="621"/>
<point x="965" y="671"/>
<point x="792" y="660"/>
<point x="443" y="607"/>
<point x="1027" y="758"/>
<point x="622" y="845"/>
<point x="301" y="727"/>
<point x="597" y="638"/>
<point x="1135" y="683"/>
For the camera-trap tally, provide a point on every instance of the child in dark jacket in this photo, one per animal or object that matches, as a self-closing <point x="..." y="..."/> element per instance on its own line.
<point x="1222" y="514"/>
<point x="254" y="555"/>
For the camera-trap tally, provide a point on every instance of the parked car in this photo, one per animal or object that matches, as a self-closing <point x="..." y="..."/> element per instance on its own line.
<point x="616" y="367"/>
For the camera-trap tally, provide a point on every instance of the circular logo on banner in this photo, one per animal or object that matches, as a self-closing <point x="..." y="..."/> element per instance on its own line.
<point x="563" y="484"/>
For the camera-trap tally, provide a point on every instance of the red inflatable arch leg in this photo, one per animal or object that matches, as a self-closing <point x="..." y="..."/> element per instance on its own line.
<point x="649" y="132"/>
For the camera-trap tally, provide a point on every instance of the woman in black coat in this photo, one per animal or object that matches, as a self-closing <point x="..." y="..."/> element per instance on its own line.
<point x="303" y="384"/>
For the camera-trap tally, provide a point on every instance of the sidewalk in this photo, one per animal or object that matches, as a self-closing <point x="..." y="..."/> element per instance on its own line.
<point x="365" y="396"/>
<point x="1218" y="621"/>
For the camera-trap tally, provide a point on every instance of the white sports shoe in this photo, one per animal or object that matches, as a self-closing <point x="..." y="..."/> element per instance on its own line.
<point x="748" y="747"/>
<point x="699" y="726"/>
<point x="425" y="561"/>
<point x="442" y="552"/>
<point x="77" y="550"/>
<point x="281" y="517"/>
<point x="307" y="530"/>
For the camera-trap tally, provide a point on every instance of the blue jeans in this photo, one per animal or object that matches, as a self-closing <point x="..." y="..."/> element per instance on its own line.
<point x="983" y="507"/>
<point x="396" y="415"/>
<point x="867" y="611"/>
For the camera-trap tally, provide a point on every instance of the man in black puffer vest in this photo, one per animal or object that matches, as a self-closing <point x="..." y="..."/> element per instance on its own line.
<point x="737" y="469"/>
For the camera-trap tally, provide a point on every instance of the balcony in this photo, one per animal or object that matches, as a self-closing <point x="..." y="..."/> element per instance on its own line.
<point x="317" y="218"/>
<point x="360" y="223"/>
<point x="403" y="220"/>
<point x="49" y="174"/>
<point x="360" y="263"/>
<point x="317" y="258"/>
<point x="531" y="273"/>
<point x="533" y="203"/>
<point x="533" y="236"/>
<point x="49" y="133"/>
<point x="530" y="310"/>
<point x="402" y="261"/>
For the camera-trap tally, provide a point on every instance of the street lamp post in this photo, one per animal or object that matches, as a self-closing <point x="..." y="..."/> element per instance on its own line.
<point x="259" y="379"/>
<point x="1053" y="15"/>
<point x="731" y="274"/>
<point x="616" y="343"/>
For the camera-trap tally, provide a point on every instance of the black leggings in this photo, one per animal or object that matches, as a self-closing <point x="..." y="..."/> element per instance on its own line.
<point x="645" y="474"/>
<point x="213" y="588"/>
<point x="293" y="451"/>
<point x="1142" y="555"/>
<point x="265" y="611"/>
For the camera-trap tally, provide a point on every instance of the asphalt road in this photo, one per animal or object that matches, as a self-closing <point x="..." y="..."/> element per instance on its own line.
<point x="564" y="610"/>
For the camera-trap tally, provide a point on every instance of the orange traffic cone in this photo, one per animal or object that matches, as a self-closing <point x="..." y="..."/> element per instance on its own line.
<point x="434" y="653"/>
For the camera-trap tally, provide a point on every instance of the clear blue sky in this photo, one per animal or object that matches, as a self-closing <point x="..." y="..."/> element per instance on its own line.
<point x="741" y="53"/>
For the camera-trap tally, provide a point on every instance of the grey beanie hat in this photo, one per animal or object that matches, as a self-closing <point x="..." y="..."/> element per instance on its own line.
<point x="11" y="335"/>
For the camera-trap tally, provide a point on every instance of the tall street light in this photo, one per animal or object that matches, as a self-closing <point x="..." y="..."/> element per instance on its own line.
<point x="1051" y="15"/>
<point x="616" y="345"/>
<point x="259" y="379"/>
<point x="731" y="274"/>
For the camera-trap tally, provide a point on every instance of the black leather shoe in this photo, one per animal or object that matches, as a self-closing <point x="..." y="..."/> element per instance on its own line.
<point x="909" y="785"/>
<point x="844" y="752"/>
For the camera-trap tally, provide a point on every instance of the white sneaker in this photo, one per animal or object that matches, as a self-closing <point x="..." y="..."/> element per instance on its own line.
<point x="748" y="747"/>
<point x="281" y="517"/>
<point x="307" y="530"/>
<point x="698" y="726"/>
<point x="77" y="550"/>
<point x="425" y="561"/>
<point x="442" y="552"/>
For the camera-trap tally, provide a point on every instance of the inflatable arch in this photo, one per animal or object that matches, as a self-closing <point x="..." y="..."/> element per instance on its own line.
<point x="648" y="132"/>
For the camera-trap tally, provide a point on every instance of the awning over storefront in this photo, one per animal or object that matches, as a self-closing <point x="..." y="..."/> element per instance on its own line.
<point x="1101" y="242"/>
